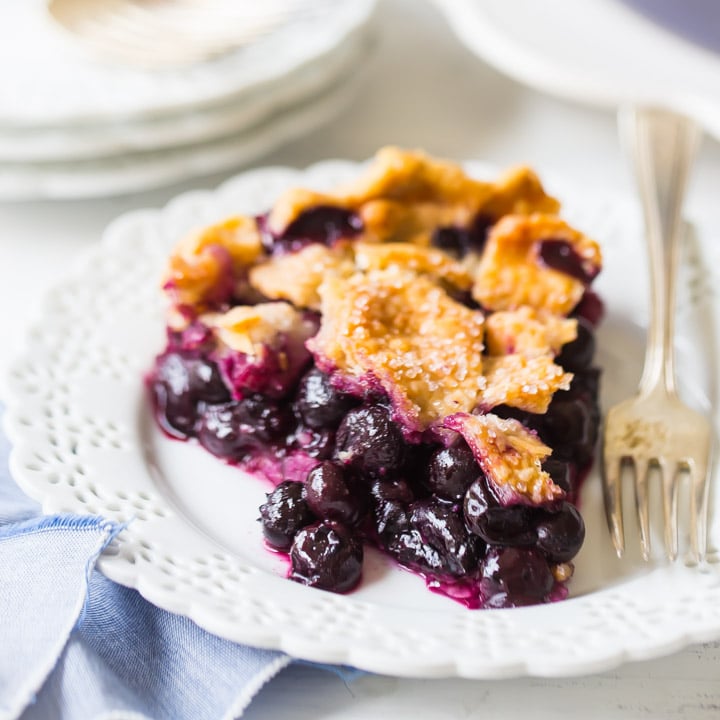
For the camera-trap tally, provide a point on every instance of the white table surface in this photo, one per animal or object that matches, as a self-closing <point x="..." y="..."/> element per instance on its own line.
<point x="423" y="89"/>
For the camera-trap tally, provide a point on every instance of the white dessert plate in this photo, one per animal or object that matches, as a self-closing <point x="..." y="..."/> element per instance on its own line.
<point x="133" y="173"/>
<point x="48" y="82"/>
<point x="85" y="442"/>
<point x="236" y="115"/>
<point x="601" y="52"/>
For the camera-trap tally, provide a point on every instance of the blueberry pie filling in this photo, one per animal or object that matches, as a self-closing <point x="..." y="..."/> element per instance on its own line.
<point x="409" y="360"/>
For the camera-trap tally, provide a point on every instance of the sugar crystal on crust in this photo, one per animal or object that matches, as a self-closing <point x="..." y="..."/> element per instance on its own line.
<point x="249" y="328"/>
<point x="511" y="274"/>
<point x="205" y="264"/>
<point x="389" y="296"/>
<point x="297" y="276"/>
<point x="528" y="331"/>
<point x="511" y="457"/>
<point x="404" y="196"/>
<point x="413" y="258"/>
<point x="526" y="383"/>
<point x="423" y="348"/>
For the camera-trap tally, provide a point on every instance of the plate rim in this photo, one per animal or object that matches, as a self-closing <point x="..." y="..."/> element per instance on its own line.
<point x="490" y="626"/>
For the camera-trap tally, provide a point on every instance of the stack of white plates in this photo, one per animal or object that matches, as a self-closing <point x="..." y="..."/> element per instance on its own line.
<point x="72" y="126"/>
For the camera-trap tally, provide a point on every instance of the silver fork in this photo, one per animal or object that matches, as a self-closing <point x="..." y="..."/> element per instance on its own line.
<point x="655" y="430"/>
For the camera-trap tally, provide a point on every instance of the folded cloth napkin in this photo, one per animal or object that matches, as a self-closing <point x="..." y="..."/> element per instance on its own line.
<point x="76" y="646"/>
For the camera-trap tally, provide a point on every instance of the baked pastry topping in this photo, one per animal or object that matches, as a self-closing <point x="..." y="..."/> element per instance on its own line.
<point x="409" y="360"/>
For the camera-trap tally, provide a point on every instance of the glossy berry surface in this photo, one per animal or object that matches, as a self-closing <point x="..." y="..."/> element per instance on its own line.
<point x="443" y="529"/>
<point x="232" y="429"/>
<point x="319" y="404"/>
<point x="561" y="534"/>
<point x="497" y="525"/>
<point x="326" y="556"/>
<point x="181" y="381"/>
<point x="451" y="470"/>
<point x="283" y="513"/>
<point x="390" y="500"/>
<point x="515" y="576"/>
<point x="410" y="550"/>
<point x="332" y="494"/>
<point x="321" y="224"/>
<point x="369" y="440"/>
<point x="559" y="255"/>
<point x="318" y="444"/>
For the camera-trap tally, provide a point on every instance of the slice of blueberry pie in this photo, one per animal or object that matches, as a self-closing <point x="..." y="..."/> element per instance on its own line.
<point x="409" y="361"/>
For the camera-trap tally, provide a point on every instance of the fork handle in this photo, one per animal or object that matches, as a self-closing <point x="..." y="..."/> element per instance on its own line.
<point x="662" y="146"/>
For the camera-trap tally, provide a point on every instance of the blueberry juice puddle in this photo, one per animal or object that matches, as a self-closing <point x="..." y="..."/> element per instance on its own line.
<point x="410" y="366"/>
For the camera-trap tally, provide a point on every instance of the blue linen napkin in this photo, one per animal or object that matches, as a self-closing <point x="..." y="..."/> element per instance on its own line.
<point x="76" y="646"/>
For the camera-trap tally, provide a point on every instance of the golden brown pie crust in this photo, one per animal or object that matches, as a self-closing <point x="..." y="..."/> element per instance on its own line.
<point x="396" y="312"/>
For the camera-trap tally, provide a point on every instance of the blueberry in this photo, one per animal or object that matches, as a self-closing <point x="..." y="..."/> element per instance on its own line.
<point x="182" y="380"/>
<point x="319" y="404"/>
<point x="390" y="500"/>
<point x="284" y="513"/>
<point x="332" y="495"/>
<point x="569" y="428"/>
<point x="451" y="470"/>
<point x="560" y="536"/>
<point x="460" y="241"/>
<point x="585" y="384"/>
<point x="232" y="429"/>
<point x="572" y="423"/>
<point x="515" y="576"/>
<point x="392" y="490"/>
<point x="391" y="519"/>
<point x="563" y="474"/>
<point x="578" y="354"/>
<point x="320" y="224"/>
<point x="443" y="529"/>
<point x="560" y="255"/>
<point x="176" y="413"/>
<point x="451" y="239"/>
<point x="207" y="383"/>
<point x="590" y="307"/>
<point x="409" y="549"/>
<point x="318" y="444"/>
<point x="326" y="556"/>
<point x="369" y="440"/>
<point x="495" y="524"/>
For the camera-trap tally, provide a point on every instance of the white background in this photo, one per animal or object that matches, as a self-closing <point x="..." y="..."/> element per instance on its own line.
<point x="421" y="89"/>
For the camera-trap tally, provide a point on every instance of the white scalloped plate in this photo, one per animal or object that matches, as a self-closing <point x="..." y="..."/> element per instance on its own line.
<point x="85" y="442"/>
